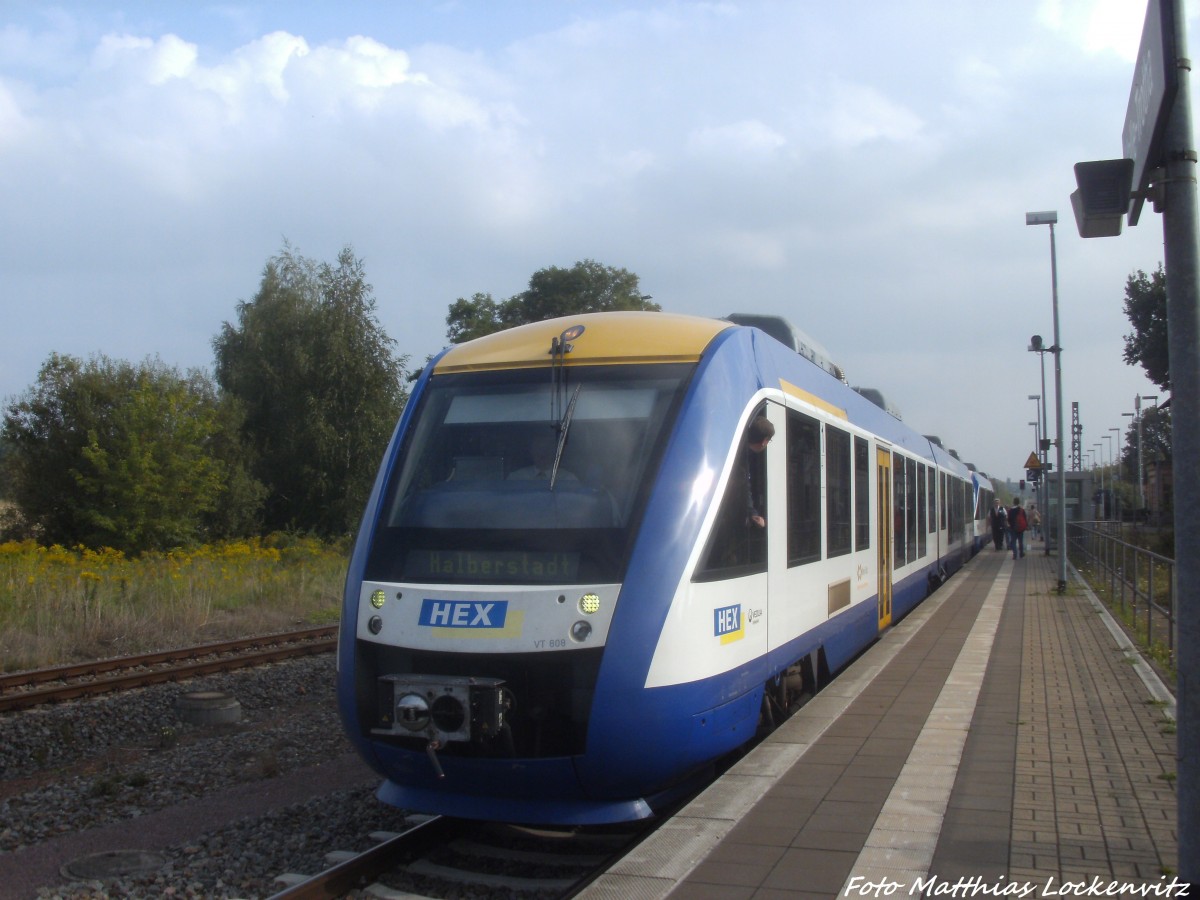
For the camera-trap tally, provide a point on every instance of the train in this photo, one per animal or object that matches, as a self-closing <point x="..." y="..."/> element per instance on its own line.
<point x="583" y="578"/>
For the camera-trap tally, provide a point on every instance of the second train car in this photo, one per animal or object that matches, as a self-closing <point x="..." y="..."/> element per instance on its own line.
<point x="577" y="584"/>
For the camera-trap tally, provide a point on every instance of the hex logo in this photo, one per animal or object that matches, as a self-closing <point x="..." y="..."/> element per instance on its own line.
<point x="463" y="613"/>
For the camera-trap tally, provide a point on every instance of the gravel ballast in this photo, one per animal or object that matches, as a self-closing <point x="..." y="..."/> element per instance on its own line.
<point x="227" y="806"/>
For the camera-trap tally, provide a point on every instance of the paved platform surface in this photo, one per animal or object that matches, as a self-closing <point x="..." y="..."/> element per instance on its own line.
<point x="1002" y="739"/>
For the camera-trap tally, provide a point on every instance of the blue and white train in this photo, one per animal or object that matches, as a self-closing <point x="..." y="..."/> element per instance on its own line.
<point x="559" y="609"/>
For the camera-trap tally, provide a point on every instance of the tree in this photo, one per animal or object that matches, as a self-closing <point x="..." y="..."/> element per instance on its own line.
<point x="1146" y="309"/>
<point x="108" y="454"/>
<point x="586" y="287"/>
<point x="321" y="387"/>
<point x="469" y="319"/>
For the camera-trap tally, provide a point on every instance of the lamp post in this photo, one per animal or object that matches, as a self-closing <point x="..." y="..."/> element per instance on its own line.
<point x="1036" y="345"/>
<point x="1037" y="447"/>
<point x="1103" y="503"/>
<point x="1113" y="491"/>
<point x="1133" y="421"/>
<point x="1116" y="459"/>
<point x="1051" y="218"/>
<point x="1091" y="455"/>
<point x="1137" y="417"/>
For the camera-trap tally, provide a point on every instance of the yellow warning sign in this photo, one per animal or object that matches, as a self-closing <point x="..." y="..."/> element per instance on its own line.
<point x="1032" y="462"/>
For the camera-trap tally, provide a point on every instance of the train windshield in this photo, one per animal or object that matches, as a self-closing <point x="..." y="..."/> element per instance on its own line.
<point x="514" y="478"/>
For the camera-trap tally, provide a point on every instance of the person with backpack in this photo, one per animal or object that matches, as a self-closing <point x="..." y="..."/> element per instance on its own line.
<point x="1017" y="523"/>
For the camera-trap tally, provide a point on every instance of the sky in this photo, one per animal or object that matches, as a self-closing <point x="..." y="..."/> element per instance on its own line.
<point x="861" y="169"/>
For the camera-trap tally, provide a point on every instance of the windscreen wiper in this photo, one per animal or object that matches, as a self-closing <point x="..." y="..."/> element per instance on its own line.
<point x="562" y="434"/>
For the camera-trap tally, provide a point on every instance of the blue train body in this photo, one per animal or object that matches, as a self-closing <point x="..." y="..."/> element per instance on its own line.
<point x="576" y="649"/>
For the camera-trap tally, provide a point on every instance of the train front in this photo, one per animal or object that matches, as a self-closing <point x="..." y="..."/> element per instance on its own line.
<point x="490" y="563"/>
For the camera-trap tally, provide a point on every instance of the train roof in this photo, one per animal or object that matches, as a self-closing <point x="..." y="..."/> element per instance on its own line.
<point x="792" y="338"/>
<point x="593" y="338"/>
<point x="656" y="337"/>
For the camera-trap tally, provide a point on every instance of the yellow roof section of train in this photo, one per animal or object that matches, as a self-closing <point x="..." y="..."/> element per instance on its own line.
<point x="595" y="338"/>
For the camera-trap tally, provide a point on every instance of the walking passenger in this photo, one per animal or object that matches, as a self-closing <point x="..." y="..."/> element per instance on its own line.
<point x="999" y="522"/>
<point x="1017" y="523"/>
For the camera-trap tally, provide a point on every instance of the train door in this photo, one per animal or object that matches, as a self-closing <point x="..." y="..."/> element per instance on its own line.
<point x="883" y="472"/>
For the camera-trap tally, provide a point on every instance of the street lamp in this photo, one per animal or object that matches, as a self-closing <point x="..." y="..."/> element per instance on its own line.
<point x="1051" y="218"/>
<point x="1116" y="468"/>
<point x="1112" y="481"/>
<point x="1036" y="346"/>
<point x="1118" y="443"/>
<point x="1103" y="498"/>
<point x="1133" y="421"/>
<point x="1137" y="417"/>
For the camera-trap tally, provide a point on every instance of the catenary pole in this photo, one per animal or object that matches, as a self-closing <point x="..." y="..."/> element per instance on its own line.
<point x="1180" y="235"/>
<point x="1061" y="483"/>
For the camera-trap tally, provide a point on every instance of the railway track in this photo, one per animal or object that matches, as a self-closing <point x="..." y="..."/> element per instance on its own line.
<point x="443" y="857"/>
<point x="22" y="690"/>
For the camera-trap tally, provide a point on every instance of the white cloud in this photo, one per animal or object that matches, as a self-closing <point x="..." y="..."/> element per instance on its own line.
<point x="261" y="63"/>
<point x="746" y="140"/>
<point x="13" y="124"/>
<point x="860" y="114"/>
<point x="1097" y="26"/>
<point x="144" y="60"/>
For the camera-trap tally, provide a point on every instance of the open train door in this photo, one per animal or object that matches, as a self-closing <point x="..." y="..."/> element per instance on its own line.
<point x="883" y="542"/>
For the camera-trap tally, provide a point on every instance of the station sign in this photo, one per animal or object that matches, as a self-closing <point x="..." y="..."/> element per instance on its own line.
<point x="1150" y="98"/>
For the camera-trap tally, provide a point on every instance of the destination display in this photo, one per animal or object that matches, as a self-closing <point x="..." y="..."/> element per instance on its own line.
<point x="501" y="565"/>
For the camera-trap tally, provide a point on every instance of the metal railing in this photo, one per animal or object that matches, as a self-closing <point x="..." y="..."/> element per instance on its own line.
<point x="1139" y="583"/>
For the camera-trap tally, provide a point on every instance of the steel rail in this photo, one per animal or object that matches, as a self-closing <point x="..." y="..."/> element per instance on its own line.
<point x="159" y="667"/>
<point x="361" y="870"/>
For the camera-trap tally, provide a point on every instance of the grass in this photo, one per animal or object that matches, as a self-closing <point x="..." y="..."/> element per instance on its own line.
<point x="1134" y="622"/>
<point x="60" y="605"/>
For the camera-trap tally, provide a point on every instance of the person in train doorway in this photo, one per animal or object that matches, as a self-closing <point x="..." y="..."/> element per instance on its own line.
<point x="758" y="435"/>
<point x="999" y="521"/>
<point x="1018" y="522"/>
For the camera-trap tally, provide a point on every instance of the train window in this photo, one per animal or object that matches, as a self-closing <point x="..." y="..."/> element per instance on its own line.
<point x="922" y="510"/>
<point x="933" y="513"/>
<point x="959" y="498"/>
<point x="862" y="495"/>
<point x="803" y="489"/>
<point x="469" y="500"/>
<point x="910" y="507"/>
<point x="945" y="501"/>
<point x="898" y="516"/>
<point x="738" y="543"/>
<point x="837" y="491"/>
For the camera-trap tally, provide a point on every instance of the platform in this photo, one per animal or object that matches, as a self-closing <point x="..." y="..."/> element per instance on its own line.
<point x="1002" y="739"/>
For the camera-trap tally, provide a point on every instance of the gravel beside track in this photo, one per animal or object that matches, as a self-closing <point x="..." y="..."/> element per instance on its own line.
<point x="228" y="806"/>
